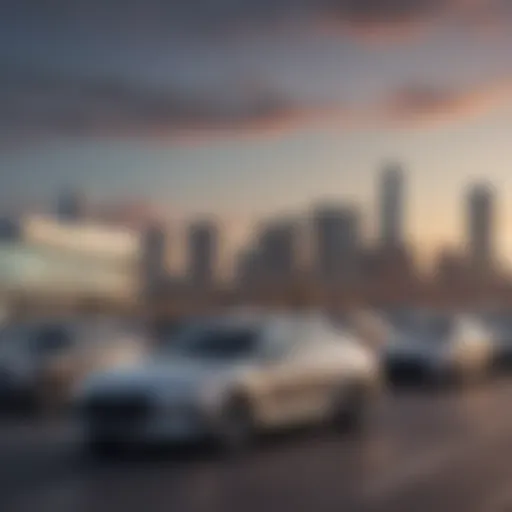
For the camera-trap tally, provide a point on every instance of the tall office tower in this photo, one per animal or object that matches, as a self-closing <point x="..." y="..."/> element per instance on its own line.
<point x="248" y="265"/>
<point x="203" y="253"/>
<point x="391" y="198"/>
<point x="336" y="242"/>
<point x="279" y="250"/>
<point x="71" y="205"/>
<point x="480" y="228"/>
<point x="154" y="258"/>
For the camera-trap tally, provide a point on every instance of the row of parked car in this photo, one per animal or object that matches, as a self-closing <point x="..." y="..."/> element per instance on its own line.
<point x="228" y="377"/>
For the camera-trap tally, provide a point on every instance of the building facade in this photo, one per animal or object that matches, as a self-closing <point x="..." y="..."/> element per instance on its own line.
<point x="154" y="272"/>
<point x="203" y="254"/>
<point x="480" y="229"/>
<point x="43" y="257"/>
<point x="336" y="243"/>
<point x="391" y="199"/>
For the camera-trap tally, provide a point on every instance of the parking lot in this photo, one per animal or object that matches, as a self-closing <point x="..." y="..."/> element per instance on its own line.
<point x="423" y="451"/>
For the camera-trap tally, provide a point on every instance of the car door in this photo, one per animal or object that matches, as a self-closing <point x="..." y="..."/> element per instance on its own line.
<point x="295" y="385"/>
<point x="327" y="357"/>
<point x="276" y="381"/>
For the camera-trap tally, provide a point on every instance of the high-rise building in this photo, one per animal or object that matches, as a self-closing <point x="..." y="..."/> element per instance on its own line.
<point x="43" y="258"/>
<point x="336" y="242"/>
<point x="248" y="267"/>
<point x="279" y="250"/>
<point x="450" y="268"/>
<point x="154" y="259"/>
<point x="203" y="253"/>
<point x="391" y="198"/>
<point x="480" y="229"/>
<point x="71" y="206"/>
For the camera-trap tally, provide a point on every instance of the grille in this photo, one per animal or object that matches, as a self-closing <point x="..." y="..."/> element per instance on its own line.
<point x="117" y="409"/>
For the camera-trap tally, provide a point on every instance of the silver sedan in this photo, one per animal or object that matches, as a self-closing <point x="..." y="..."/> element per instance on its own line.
<point x="226" y="379"/>
<point x="435" y="348"/>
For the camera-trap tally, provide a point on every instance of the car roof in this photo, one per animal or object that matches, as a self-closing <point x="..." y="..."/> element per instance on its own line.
<point x="253" y="319"/>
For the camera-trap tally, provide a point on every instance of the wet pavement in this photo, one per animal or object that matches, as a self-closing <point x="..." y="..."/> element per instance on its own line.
<point x="422" y="452"/>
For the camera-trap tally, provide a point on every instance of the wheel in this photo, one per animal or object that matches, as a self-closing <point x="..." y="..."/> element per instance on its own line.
<point x="350" y="408"/>
<point x="235" y="430"/>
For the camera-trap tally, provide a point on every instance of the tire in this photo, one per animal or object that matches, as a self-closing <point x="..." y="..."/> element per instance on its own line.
<point x="235" y="432"/>
<point x="351" y="409"/>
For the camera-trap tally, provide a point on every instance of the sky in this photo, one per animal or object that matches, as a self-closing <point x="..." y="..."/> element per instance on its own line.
<point x="246" y="109"/>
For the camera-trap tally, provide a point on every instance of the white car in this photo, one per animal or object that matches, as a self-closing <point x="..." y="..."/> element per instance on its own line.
<point x="227" y="378"/>
<point x="42" y="361"/>
<point x="434" y="347"/>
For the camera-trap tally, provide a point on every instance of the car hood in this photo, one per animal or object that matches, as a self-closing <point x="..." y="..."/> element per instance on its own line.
<point x="173" y="377"/>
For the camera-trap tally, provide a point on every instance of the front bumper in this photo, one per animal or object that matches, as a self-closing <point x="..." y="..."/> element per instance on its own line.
<point x="140" y="421"/>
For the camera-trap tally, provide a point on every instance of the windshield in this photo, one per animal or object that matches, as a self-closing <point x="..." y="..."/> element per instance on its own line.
<point x="215" y="342"/>
<point x="434" y="327"/>
<point x="50" y="339"/>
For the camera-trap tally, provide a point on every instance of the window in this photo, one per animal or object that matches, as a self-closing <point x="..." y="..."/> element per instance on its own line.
<point x="216" y="342"/>
<point x="434" y="327"/>
<point x="50" y="339"/>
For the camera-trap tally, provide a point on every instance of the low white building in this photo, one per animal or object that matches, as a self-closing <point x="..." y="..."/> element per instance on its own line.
<point x="43" y="255"/>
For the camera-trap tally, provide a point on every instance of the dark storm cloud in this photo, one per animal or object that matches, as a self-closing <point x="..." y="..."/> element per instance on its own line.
<point x="40" y="101"/>
<point x="160" y="17"/>
<point x="35" y="104"/>
<point x="47" y="103"/>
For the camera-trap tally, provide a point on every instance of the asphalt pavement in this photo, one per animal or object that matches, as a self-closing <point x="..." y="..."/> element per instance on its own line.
<point x="423" y="451"/>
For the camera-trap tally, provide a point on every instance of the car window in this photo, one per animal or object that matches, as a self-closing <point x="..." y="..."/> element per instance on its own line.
<point x="50" y="339"/>
<point x="216" y="342"/>
<point x="283" y="337"/>
<point x="436" y="327"/>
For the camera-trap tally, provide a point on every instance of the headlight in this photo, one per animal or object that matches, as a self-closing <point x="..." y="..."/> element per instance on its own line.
<point x="211" y="394"/>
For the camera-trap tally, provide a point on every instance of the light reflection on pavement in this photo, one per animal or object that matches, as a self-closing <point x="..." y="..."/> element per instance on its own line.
<point x="423" y="452"/>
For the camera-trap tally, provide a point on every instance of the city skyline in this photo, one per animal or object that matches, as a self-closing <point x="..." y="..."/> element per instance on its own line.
<point x="248" y="111"/>
<point x="328" y="236"/>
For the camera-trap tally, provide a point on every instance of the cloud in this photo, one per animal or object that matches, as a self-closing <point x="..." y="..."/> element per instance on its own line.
<point x="419" y="104"/>
<point x="36" y="105"/>
<point x="154" y="18"/>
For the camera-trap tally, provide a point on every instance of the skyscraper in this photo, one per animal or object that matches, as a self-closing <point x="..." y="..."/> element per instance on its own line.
<point x="391" y="192"/>
<point x="248" y="267"/>
<point x="203" y="253"/>
<point x="279" y="251"/>
<point x="336" y="242"/>
<point x="480" y="229"/>
<point x="154" y="257"/>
